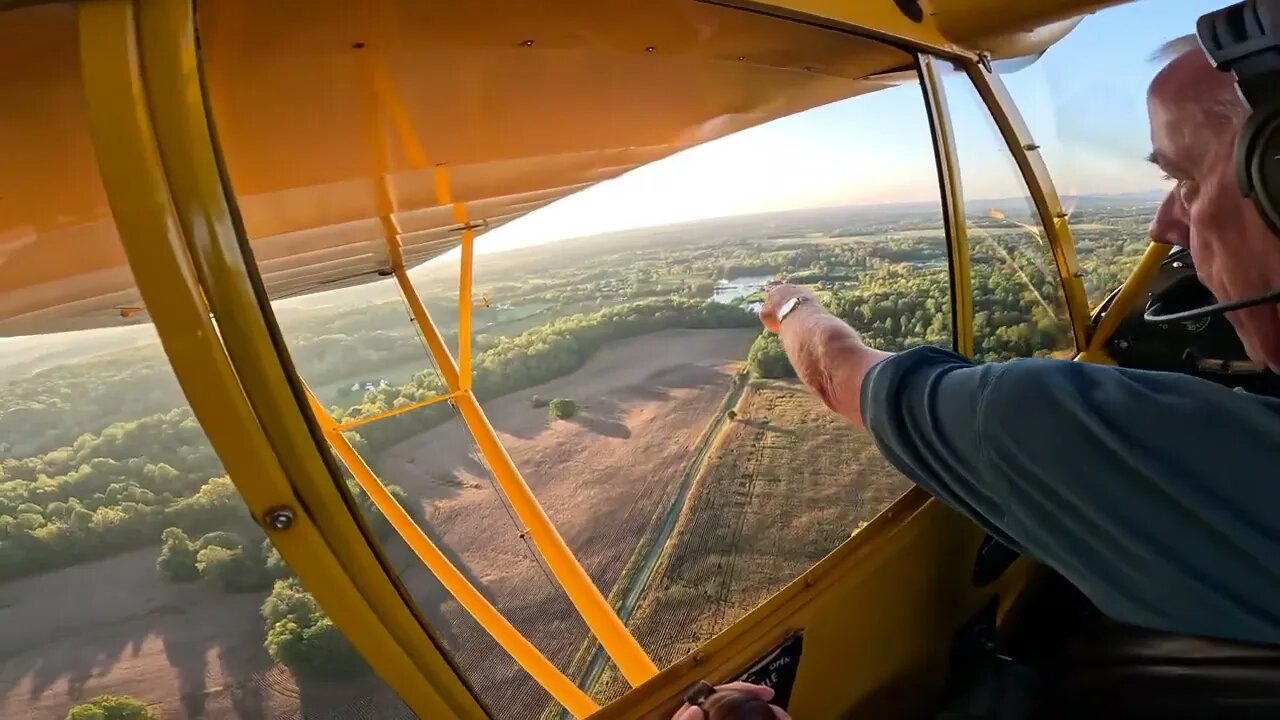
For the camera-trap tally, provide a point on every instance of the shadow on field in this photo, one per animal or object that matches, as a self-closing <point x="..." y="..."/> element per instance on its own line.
<point x="239" y="663"/>
<point x="602" y="425"/>
<point x="765" y="426"/>
<point x="196" y="644"/>
<point x="336" y="699"/>
<point x="76" y="663"/>
<point x="603" y="413"/>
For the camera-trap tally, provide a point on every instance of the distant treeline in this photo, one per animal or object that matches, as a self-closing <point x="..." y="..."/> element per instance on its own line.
<point x="534" y="357"/>
<point x="894" y="305"/>
<point x="119" y="489"/>
<point x="67" y="495"/>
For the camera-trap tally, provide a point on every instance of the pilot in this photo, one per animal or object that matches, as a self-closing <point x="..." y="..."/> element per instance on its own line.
<point x="1156" y="494"/>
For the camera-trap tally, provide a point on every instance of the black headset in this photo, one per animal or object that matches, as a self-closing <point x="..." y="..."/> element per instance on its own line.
<point x="1244" y="40"/>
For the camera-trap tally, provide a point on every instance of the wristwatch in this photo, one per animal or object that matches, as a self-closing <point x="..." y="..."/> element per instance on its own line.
<point x="786" y="309"/>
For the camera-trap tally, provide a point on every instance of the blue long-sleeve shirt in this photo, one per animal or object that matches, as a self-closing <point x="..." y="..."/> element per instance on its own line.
<point x="1157" y="494"/>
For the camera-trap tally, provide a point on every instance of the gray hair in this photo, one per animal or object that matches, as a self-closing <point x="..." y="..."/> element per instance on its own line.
<point x="1227" y="105"/>
<point x="1175" y="48"/>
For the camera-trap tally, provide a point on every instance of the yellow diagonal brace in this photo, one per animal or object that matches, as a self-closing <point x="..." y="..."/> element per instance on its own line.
<point x="503" y="632"/>
<point x="1126" y="299"/>
<point x="600" y="618"/>
<point x="386" y="100"/>
<point x="435" y="343"/>
<point x="608" y="628"/>
<point x="393" y="412"/>
<point x="604" y="623"/>
<point x="444" y="195"/>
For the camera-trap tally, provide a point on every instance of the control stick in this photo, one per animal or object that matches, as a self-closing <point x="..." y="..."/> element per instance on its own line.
<point x="729" y="704"/>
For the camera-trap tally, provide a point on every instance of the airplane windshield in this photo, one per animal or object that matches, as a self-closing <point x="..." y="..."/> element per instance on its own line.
<point x="614" y="344"/>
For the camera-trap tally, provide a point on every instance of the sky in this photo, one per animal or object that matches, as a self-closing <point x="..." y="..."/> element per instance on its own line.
<point x="1084" y="102"/>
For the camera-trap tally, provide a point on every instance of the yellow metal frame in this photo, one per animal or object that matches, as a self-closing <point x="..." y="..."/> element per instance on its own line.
<point x="880" y="591"/>
<point x="402" y="410"/>
<point x="116" y="35"/>
<point x="560" y="687"/>
<point x="876" y="20"/>
<point x="953" y="214"/>
<point x="1124" y="301"/>
<point x="600" y="618"/>
<point x="1026" y="153"/>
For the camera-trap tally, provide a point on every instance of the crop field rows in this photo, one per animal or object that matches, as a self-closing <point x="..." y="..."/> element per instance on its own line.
<point x="784" y="486"/>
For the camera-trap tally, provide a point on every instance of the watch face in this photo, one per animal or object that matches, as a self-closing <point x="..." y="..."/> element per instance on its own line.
<point x="787" y="307"/>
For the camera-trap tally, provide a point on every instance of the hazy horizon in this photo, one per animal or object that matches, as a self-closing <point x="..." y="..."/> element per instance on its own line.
<point x="114" y="338"/>
<point x="872" y="150"/>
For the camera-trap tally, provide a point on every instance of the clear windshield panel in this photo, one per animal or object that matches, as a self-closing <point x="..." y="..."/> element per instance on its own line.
<point x="1097" y="149"/>
<point x="352" y="345"/>
<point x="616" y="348"/>
<point x="1020" y="309"/>
<point x="706" y="477"/>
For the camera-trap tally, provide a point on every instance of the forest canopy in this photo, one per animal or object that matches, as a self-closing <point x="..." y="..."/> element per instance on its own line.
<point x="101" y="455"/>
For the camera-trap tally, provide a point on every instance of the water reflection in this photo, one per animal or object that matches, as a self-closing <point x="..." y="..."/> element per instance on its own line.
<point x="728" y="291"/>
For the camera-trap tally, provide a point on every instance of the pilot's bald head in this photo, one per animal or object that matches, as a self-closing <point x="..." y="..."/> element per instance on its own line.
<point x="1191" y="84"/>
<point x="1196" y="117"/>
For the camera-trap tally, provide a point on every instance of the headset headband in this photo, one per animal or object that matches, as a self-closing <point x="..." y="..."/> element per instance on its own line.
<point x="1244" y="39"/>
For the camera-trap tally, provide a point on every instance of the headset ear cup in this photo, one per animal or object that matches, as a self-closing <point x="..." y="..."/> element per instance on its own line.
<point x="1258" y="163"/>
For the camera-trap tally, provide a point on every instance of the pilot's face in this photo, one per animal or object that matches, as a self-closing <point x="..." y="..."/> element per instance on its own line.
<point x="1235" y="253"/>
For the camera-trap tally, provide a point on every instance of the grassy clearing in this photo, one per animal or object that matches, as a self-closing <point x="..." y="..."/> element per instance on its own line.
<point x="785" y="485"/>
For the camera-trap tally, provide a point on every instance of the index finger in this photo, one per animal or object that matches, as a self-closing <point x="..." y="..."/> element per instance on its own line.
<point x="689" y="712"/>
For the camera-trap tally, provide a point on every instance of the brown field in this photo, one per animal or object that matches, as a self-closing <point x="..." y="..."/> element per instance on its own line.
<point x="114" y="627"/>
<point x="785" y="484"/>
<point x="604" y="476"/>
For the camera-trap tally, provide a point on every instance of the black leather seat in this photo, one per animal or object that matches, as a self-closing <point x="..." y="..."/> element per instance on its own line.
<point x="1061" y="658"/>
<point x="1112" y="670"/>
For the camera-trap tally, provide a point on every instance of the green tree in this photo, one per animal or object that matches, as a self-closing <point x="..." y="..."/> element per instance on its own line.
<point x="767" y="359"/>
<point x="177" y="561"/>
<point x="274" y="562"/>
<point x="302" y="638"/>
<point x="111" y="707"/>
<point x="220" y="538"/>
<point x="562" y="408"/>
<point x="234" y="570"/>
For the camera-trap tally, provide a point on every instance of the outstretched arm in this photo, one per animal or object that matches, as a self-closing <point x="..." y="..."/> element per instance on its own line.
<point x="826" y="353"/>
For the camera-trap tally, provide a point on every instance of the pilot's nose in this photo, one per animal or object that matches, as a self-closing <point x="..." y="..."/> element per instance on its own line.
<point x="1171" y="225"/>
